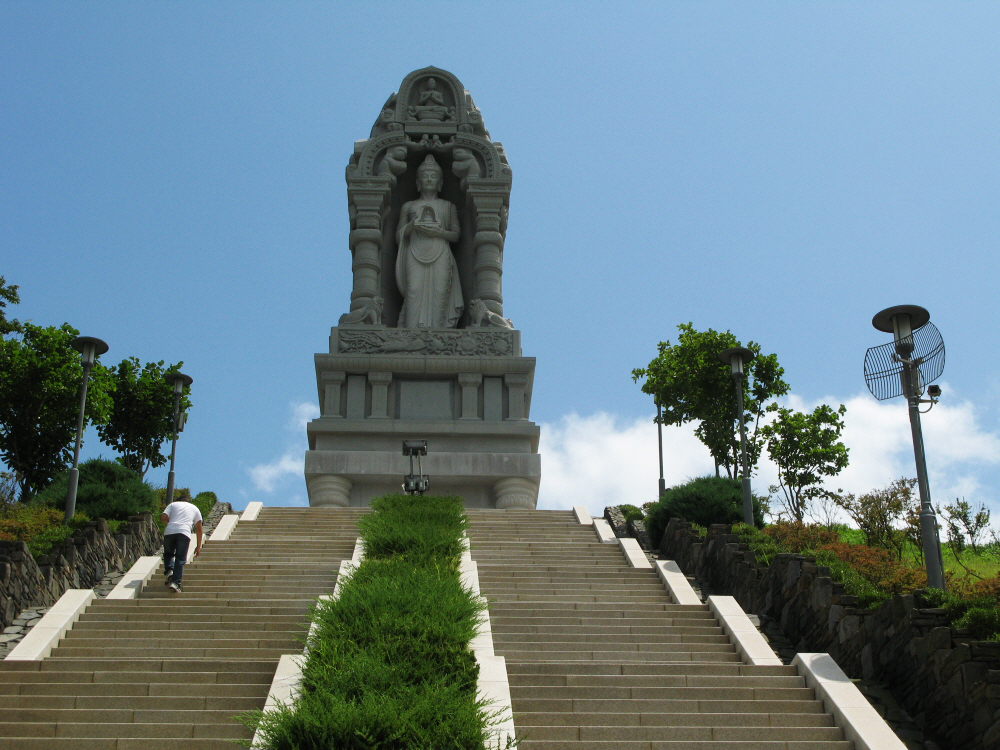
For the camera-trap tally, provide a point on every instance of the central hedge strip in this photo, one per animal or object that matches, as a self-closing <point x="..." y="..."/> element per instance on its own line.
<point x="389" y="665"/>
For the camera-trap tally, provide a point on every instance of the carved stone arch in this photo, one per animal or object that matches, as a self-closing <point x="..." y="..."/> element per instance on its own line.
<point x="376" y="148"/>
<point x="410" y="89"/>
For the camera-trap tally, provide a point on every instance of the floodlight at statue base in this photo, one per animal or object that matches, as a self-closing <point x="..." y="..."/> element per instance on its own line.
<point x="416" y="485"/>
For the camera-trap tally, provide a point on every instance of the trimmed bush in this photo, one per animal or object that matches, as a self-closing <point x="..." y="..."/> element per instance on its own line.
<point x="41" y="528"/>
<point x="704" y="501"/>
<point x="106" y="490"/>
<point x="631" y="513"/>
<point x="389" y="666"/>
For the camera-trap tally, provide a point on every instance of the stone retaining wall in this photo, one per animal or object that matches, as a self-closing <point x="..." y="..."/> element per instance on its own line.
<point x="81" y="562"/>
<point x="949" y="683"/>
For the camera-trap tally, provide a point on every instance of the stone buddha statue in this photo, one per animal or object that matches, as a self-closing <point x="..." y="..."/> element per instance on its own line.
<point x="426" y="271"/>
<point x="431" y="106"/>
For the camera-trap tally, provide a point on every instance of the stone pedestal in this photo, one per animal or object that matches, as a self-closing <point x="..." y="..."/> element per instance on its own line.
<point x="467" y="392"/>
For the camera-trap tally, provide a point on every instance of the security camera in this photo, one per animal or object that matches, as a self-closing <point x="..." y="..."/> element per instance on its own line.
<point x="934" y="391"/>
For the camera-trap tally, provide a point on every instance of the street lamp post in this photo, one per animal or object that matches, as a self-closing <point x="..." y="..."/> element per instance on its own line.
<point x="659" y="440"/>
<point x="90" y="348"/>
<point x="737" y="357"/>
<point x="901" y="321"/>
<point x="179" y="380"/>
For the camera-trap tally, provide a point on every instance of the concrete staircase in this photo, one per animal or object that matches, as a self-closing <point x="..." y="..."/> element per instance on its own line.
<point x="167" y="671"/>
<point x="599" y="657"/>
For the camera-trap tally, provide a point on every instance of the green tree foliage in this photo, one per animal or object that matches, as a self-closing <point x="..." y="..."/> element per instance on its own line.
<point x="40" y="380"/>
<point x="691" y="384"/>
<point x="704" y="501"/>
<point x="107" y="490"/>
<point x="8" y="296"/>
<point x="806" y="448"/>
<point x="141" y="417"/>
<point x="880" y="513"/>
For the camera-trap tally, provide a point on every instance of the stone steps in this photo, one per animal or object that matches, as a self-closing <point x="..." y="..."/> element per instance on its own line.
<point x="599" y="657"/>
<point x="165" y="670"/>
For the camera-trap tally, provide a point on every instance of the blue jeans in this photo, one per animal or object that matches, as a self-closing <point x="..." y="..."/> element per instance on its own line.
<point x="175" y="554"/>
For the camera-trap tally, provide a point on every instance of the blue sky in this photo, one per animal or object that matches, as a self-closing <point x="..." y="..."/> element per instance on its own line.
<point x="171" y="180"/>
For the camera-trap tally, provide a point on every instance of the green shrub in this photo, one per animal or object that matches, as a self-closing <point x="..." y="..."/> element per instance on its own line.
<point x="389" y="666"/>
<point x="106" y="490"/>
<point x="983" y="622"/>
<point x="205" y="501"/>
<point x="39" y="527"/>
<point x="704" y="501"/>
<point x="421" y="528"/>
<point x="631" y="513"/>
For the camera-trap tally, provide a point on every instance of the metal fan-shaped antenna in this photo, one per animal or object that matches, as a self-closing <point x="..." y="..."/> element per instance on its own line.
<point x="884" y="365"/>
<point x="914" y="359"/>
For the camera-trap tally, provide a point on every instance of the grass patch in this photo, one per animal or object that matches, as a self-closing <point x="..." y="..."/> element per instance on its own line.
<point x="389" y="666"/>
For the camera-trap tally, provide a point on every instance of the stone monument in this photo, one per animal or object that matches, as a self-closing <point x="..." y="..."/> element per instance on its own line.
<point x="425" y="352"/>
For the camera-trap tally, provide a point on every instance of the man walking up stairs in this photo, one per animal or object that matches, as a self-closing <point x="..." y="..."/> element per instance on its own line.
<point x="162" y="672"/>
<point x="600" y="658"/>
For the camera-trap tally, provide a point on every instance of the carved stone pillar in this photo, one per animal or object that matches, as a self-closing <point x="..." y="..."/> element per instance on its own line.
<point x="332" y="383"/>
<point x="488" y="244"/>
<point x="380" y="394"/>
<point x="515" y="396"/>
<point x="516" y="492"/>
<point x="368" y="201"/>
<point x="329" y="490"/>
<point x="470" y="393"/>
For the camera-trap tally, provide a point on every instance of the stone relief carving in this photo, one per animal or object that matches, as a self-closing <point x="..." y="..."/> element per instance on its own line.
<point x="480" y="343"/>
<point x="426" y="271"/>
<point x="464" y="164"/>
<point x="370" y="313"/>
<point x="393" y="163"/>
<point x="431" y="106"/>
<point x="482" y="317"/>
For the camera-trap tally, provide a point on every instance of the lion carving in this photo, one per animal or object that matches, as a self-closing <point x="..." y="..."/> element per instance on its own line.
<point x="370" y="313"/>
<point x="482" y="317"/>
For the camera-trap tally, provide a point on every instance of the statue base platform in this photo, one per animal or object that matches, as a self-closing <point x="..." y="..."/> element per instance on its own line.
<point x="466" y="391"/>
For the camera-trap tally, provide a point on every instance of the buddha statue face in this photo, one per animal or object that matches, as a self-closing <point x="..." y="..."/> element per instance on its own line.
<point x="430" y="177"/>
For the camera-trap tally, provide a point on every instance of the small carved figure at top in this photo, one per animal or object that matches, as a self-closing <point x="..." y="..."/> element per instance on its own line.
<point x="431" y="94"/>
<point x="465" y="164"/>
<point x="431" y="106"/>
<point x="393" y="163"/>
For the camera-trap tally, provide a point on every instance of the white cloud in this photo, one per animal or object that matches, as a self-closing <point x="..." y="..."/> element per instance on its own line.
<point x="279" y="473"/>
<point x="594" y="461"/>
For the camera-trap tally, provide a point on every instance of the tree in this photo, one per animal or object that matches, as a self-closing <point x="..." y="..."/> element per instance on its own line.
<point x="141" y="417"/>
<point x="878" y="514"/>
<point x="40" y="380"/>
<point x="691" y="384"/>
<point x="962" y="519"/>
<point x="806" y="448"/>
<point x="8" y="295"/>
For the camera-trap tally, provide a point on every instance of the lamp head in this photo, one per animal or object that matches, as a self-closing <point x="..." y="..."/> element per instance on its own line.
<point x="736" y="357"/>
<point x="89" y="347"/>
<point x="178" y="380"/>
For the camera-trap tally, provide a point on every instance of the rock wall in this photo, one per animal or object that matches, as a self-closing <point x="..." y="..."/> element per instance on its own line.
<point x="81" y="562"/>
<point x="949" y="683"/>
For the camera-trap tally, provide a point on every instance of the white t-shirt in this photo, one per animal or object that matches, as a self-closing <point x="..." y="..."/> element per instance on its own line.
<point x="182" y="516"/>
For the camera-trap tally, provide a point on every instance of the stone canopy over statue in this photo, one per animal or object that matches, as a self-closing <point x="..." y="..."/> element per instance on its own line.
<point x="425" y="350"/>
